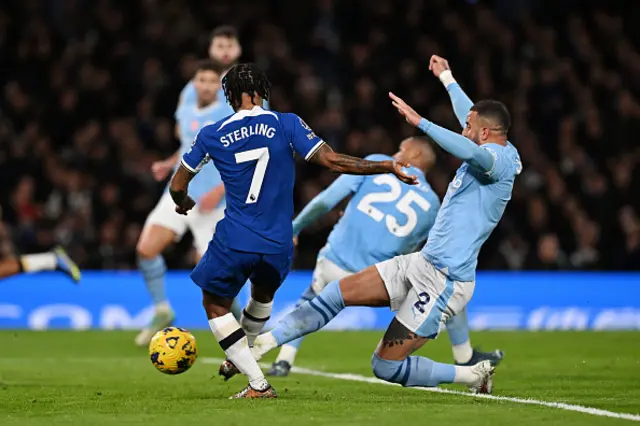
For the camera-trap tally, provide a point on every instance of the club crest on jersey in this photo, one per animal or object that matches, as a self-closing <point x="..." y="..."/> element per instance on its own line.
<point x="304" y="125"/>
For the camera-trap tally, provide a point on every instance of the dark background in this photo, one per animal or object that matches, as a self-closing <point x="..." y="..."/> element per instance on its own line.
<point x="89" y="90"/>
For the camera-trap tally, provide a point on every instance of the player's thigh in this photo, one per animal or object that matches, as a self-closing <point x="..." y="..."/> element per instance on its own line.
<point x="432" y="299"/>
<point x="269" y="273"/>
<point x="222" y="272"/>
<point x="153" y="240"/>
<point x="203" y="227"/>
<point x="162" y="227"/>
<point x="365" y="288"/>
<point x="393" y="273"/>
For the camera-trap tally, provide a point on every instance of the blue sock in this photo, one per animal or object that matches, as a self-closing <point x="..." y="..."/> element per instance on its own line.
<point x="153" y="272"/>
<point x="311" y="316"/>
<point x="458" y="328"/>
<point x="305" y="297"/>
<point x="413" y="371"/>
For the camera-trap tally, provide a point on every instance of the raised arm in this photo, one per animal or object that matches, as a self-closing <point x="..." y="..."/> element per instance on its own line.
<point x="459" y="100"/>
<point x="324" y="202"/>
<point x="455" y="144"/>
<point x="458" y="146"/>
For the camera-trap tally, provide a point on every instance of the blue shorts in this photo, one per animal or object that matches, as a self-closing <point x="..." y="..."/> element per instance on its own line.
<point x="223" y="271"/>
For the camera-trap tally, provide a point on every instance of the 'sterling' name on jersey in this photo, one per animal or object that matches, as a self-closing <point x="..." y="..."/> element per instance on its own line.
<point x="247" y="131"/>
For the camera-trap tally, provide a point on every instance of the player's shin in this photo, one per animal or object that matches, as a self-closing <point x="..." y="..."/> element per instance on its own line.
<point x="233" y="341"/>
<point x="153" y="271"/>
<point x="254" y="316"/>
<point x="458" y="330"/>
<point x="307" y="318"/>
<point x="288" y="351"/>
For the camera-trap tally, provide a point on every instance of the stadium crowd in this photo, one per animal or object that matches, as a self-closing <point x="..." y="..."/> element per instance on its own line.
<point x="90" y="88"/>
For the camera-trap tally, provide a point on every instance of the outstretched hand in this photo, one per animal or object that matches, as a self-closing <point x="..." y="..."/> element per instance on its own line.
<point x="405" y="110"/>
<point x="400" y="174"/>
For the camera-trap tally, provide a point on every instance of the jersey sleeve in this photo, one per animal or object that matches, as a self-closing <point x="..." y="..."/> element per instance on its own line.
<point x="303" y="140"/>
<point x="197" y="156"/>
<point x="340" y="189"/>
<point x="187" y="95"/>
<point x="503" y="163"/>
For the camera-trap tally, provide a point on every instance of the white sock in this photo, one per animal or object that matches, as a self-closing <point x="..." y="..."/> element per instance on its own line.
<point x="465" y="376"/>
<point x="287" y="353"/>
<point x="163" y="307"/>
<point x="233" y="341"/>
<point x="38" y="262"/>
<point x="254" y="316"/>
<point x="462" y="353"/>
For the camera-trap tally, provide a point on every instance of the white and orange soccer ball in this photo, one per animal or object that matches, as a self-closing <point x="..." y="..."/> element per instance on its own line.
<point x="173" y="350"/>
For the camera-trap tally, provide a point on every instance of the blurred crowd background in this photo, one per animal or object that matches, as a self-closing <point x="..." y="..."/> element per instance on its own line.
<point x="90" y="87"/>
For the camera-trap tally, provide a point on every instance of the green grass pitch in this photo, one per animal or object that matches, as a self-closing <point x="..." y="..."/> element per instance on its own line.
<point x="100" y="378"/>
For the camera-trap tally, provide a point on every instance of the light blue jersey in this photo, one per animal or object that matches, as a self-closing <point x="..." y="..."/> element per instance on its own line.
<point x="189" y="96"/>
<point x="190" y="120"/>
<point x="384" y="218"/>
<point x="475" y="199"/>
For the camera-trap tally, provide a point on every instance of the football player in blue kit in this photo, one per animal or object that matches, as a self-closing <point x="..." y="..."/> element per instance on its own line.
<point x="163" y="225"/>
<point x="253" y="150"/>
<point x="428" y="287"/>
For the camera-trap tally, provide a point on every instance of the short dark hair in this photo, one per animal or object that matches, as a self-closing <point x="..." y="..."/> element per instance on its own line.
<point x="209" y="65"/>
<point x="495" y="111"/>
<point x="227" y="31"/>
<point x="245" y="78"/>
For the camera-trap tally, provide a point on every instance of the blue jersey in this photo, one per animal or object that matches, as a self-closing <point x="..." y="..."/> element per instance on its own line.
<point x="471" y="209"/>
<point x="254" y="152"/>
<point x="190" y="120"/>
<point x="385" y="218"/>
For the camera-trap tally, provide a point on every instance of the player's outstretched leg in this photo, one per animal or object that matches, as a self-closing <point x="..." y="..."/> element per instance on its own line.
<point x="287" y="355"/>
<point x="463" y="353"/>
<point x="56" y="260"/>
<point x="391" y="362"/>
<point x="362" y="289"/>
<point x="234" y="343"/>
<point x="152" y="242"/>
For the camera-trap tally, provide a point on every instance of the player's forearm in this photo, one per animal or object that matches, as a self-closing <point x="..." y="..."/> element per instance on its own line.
<point x="179" y="186"/>
<point x="311" y="212"/>
<point x="175" y="157"/>
<point x="459" y="99"/>
<point x="458" y="146"/>
<point x="347" y="164"/>
<point x="322" y="204"/>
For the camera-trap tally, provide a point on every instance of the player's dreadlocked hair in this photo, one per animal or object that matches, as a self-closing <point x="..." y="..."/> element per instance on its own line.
<point x="245" y="78"/>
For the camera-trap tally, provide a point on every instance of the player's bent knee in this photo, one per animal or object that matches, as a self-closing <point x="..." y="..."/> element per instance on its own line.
<point x="390" y="371"/>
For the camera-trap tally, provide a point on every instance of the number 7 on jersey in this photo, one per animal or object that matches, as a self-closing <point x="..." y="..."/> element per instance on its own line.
<point x="262" y="155"/>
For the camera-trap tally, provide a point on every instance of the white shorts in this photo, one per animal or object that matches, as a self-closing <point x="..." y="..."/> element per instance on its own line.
<point x="201" y="225"/>
<point x="325" y="272"/>
<point x="424" y="297"/>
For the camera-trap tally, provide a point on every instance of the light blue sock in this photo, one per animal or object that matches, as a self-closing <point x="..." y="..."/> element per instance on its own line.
<point x="413" y="371"/>
<point x="153" y="271"/>
<point x="311" y="315"/>
<point x="308" y="294"/>
<point x="458" y="328"/>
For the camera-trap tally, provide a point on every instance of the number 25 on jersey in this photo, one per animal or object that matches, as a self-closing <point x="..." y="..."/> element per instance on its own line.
<point x="404" y="205"/>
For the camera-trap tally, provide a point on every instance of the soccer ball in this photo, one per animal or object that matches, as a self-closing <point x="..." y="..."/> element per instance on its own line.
<point x="173" y="350"/>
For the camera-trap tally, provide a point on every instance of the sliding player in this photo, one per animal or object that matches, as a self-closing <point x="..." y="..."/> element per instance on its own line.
<point x="429" y="287"/>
